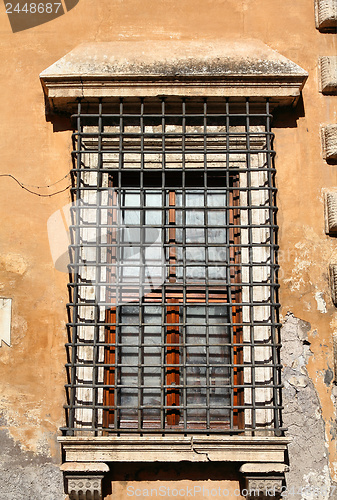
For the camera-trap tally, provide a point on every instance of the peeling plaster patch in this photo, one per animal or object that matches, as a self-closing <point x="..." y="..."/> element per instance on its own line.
<point x="302" y="415"/>
<point x="298" y="382"/>
<point x="333" y="423"/>
<point x="319" y="482"/>
<point x="19" y="329"/>
<point x="334" y="465"/>
<point x="24" y="475"/>
<point x="305" y="275"/>
<point x="14" y="263"/>
<point x="333" y="434"/>
<point x="27" y="429"/>
<point x="302" y="262"/>
<point x="321" y="304"/>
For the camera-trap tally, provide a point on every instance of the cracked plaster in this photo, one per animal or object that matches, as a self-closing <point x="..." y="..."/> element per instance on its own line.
<point x="302" y="416"/>
<point x="27" y="475"/>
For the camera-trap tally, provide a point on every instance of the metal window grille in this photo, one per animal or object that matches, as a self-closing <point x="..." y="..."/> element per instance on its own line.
<point x="173" y="296"/>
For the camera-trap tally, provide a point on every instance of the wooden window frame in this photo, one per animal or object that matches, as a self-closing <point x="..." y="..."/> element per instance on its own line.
<point x="173" y="300"/>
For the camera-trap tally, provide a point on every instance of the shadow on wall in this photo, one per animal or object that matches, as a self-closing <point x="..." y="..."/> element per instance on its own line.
<point x="128" y="477"/>
<point x="283" y="119"/>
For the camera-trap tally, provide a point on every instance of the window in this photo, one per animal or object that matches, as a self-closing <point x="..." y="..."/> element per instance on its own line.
<point x="173" y="311"/>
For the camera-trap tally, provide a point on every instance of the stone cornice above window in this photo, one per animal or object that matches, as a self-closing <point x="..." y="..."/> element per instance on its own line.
<point x="245" y="68"/>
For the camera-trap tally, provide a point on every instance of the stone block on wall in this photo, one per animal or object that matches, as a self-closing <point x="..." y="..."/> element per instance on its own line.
<point x="331" y="213"/>
<point x="329" y="142"/>
<point x="326" y="14"/>
<point x="328" y="70"/>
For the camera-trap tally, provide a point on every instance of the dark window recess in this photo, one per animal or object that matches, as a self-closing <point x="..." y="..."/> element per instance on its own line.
<point x="173" y="296"/>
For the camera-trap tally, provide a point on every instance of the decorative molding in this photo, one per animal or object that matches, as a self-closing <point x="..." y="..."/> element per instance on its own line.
<point x="329" y="142"/>
<point x="326" y="14"/>
<point x="174" y="449"/>
<point x="328" y="71"/>
<point x="263" y="487"/>
<point x="174" y="68"/>
<point x="263" y="480"/>
<point x="84" y="487"/>
<point x="333" y="282"/>
<point x="264" y="468"/>
<point x="83" y="481"/>
<point x="331" y="213"/>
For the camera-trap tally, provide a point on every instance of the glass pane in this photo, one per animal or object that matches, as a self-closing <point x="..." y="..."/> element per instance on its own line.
<point x="152" y="373"/>
<point x="207" y="350"/>
<point x="153" y="217"/>
<point x="216" y="217"/>
<point x="131" y="217"/>
<point x="153" y="199"/>
<point x="195" y="235"/>
<point x="195" y="199"/>
<point x="196" y="355"/>
<point x="216" y="199"/>
<point x="195" y="218"/>
<point x="219" y="355"/>
<point x="129" y="333"/>
<point x="131" y="199"/>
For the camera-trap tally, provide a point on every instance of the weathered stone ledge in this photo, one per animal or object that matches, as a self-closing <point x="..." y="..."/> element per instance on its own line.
<point x="174" y="449"/>
<point x="245" y="68"/>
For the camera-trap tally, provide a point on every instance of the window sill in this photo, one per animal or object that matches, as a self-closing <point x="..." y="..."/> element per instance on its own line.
<point x="174" y="449"/>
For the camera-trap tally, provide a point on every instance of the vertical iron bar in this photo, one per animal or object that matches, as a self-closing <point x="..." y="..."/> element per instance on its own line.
<point x="118" y="292"/>
<point x="183" y="239"/>
<point x="250" y="259"/>
<point x="228" y="266"/>
<point x="141" y="271"/>
<point x="205" y="211"/>
<point x="97" y="267"/>
<point x="271" y="198"/>
<point x="76" y="276"/>
<point x="165" y="271"/>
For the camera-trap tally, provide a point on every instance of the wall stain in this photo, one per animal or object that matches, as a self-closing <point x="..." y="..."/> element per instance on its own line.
<point x="328" y="376"/>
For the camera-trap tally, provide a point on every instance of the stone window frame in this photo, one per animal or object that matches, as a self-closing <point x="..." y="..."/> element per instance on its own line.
<point x="118" y="69"/>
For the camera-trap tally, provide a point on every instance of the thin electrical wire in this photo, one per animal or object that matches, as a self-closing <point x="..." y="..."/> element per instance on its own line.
<point x="24" y="186"/>
<point x="48" y="185"/>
